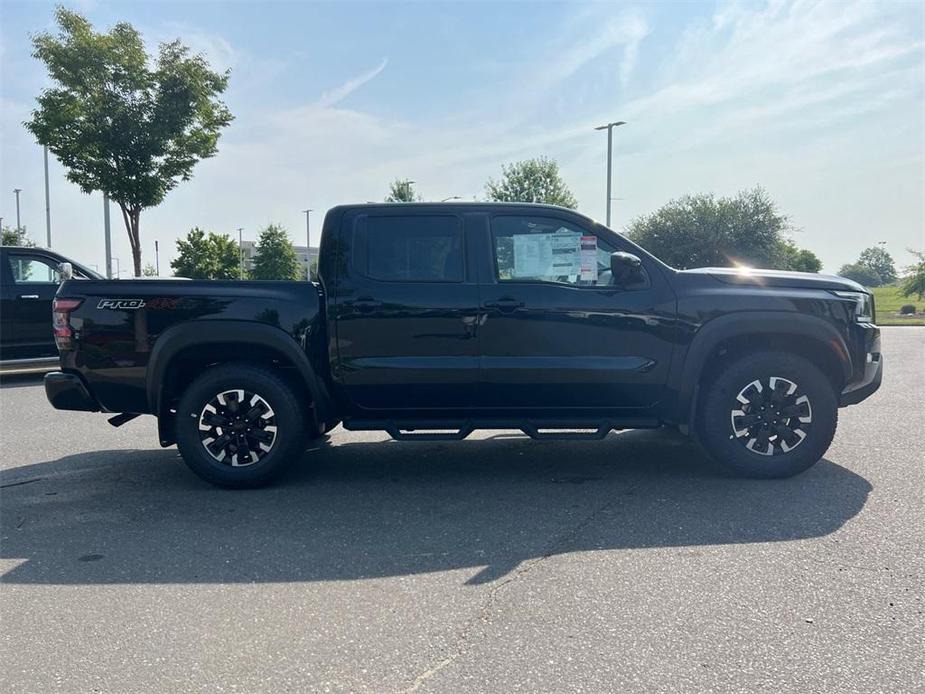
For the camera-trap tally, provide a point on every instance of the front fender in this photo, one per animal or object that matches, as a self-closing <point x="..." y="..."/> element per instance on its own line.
<point x="684" y="379"/>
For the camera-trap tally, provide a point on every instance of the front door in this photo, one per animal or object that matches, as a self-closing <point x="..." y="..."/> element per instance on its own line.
<point x="405" y="311"/>
<point x="556" y="333"/>
<point x="31" y="283"/>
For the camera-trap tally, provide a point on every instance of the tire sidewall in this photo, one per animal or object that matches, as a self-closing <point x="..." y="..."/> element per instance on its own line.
<point x="290" y="435"/>
<point x="714" y="424"/>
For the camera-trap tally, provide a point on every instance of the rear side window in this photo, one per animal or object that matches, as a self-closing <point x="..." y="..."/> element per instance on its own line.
<point x="411" y="249"/>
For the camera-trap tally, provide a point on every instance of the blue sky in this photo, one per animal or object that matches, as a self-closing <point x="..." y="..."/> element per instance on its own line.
<point x="820" y="103"/>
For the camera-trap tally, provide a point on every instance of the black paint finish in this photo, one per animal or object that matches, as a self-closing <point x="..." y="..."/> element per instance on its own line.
<point x="379" y="341"/>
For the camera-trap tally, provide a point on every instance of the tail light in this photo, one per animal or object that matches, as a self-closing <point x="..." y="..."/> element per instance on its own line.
<point x="60" y="319"/>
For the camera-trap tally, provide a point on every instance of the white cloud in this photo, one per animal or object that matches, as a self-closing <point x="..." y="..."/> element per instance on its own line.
<point x="333" y="96"/>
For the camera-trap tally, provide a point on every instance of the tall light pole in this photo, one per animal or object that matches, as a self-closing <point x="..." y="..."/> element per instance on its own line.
<point x="17" y="191"/>
<point x="107" y="236"/>
<point x="47" y="203"/>
<point x="609" y="128"/>
<point x="241" y="252"/>
<point x="308" y="246"/>
<point x="157" y="259"/>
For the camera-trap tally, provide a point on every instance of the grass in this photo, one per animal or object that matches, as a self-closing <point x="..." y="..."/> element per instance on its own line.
<point x="888" y="300"/>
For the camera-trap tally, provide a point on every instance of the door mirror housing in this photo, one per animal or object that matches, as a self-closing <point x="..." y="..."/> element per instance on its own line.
<point x="626" y="268"/>
<point x="65" y="271"/>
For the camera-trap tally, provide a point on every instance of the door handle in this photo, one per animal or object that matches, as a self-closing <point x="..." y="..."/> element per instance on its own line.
<point x="505" y="305"/>
<point x="365" y="305"/>
<point x="28" y="296"/>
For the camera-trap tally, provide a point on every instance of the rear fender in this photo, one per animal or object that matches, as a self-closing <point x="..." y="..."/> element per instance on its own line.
<point x="184" y="336"/>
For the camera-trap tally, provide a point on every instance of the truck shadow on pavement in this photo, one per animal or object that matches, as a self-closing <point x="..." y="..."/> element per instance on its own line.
<point x="373" y="509"/>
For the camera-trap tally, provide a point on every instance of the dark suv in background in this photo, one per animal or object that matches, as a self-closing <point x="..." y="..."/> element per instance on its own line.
<point x="28" y="282"/>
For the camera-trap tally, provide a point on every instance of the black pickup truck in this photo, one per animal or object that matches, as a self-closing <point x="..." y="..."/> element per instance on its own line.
<point x="432" y="320"/>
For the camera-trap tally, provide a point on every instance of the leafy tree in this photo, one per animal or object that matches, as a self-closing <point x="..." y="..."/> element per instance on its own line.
<point x="879" y="261"/>
<point x="149" y="270"/>
<point x="861" y="274"/>
<point x="914" y="282"/>
<point x="402" y="190"/>
<point x="129" y="125"/>
<point x="226" y="257"/>
<point x="703" y="231"/>
<point x="15" y="237"/>
<point x="194" y="256"/>
<point x="275" y="258"/>
<point x="799" y="259"/>
<point x="207" y="256"/>
<point x="532" y="180"/>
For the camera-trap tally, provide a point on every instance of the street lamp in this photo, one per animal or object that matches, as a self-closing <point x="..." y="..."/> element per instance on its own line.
<point x="47" y="202"/>
<point x="609" y="128"/>
<point x="452" y="197"/>
<point x="241" y="252"/>
<point x="308" y="246"/>
<point x="17" y="191"/>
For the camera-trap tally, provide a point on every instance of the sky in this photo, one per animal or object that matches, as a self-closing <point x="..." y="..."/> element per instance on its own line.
<point x="821" y="103"/>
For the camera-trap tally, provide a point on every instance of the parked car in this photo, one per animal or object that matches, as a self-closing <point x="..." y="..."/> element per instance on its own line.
<point x="432" y="320"/>
<point x="28" y="282"/>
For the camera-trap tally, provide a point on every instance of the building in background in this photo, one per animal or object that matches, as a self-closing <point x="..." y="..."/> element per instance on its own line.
<point x="305" y="255"/>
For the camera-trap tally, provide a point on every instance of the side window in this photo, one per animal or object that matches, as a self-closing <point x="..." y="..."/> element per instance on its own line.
<point x="411" y="249"/>
<point x="30" y="269"/>
<point x="545" y="249"/>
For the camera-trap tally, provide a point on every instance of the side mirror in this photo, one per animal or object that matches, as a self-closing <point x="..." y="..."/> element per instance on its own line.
<point x="626" y="268"/>
<point x="65" y="272"/>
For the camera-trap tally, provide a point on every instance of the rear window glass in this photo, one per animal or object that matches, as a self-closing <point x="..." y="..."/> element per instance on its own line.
<point x="413" y="248"/>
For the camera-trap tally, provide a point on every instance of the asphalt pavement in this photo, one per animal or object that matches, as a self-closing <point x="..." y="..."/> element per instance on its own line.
<point x="496" y="564"/>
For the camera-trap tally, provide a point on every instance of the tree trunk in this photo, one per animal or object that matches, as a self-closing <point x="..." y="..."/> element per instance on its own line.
<point x="131" y="215"/>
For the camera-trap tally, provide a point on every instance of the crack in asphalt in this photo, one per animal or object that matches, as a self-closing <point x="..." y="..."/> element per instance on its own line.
<point x="463" y="641"/>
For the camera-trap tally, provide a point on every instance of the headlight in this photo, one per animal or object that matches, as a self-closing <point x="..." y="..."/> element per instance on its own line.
<point x="863" y="305"/>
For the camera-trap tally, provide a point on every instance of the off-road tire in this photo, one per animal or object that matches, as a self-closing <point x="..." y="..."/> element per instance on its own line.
<point x="725" y="436"/>
<point x="273" y="395"/>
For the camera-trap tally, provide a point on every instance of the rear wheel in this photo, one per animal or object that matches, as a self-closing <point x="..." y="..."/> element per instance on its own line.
<point x="240" y="425"/>
<point x="769" y="414"/>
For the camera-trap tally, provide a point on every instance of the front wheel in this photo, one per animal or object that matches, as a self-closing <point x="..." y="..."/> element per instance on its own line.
<point x="768" y="414"/>
<point x="240" y="425"/>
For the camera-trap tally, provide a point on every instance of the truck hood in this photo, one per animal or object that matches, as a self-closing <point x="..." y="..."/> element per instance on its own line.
<point x="775" y="278"/>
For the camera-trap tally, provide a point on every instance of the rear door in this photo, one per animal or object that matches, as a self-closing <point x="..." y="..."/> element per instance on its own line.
<point x="556" y="334"/>
<point x="405" y="309"/>
<point x="27" y="297"/>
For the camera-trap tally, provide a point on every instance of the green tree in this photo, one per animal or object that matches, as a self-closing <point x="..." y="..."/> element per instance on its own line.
<point x="531" y="180"/>
<point x="799" y="259"/>
<point x="122" y="122"/>
<point x="226" y="257"/>
<point x="275" y="258"/>
<point x="861" y="274"/>
<point x="207" y="256"/>
<point x="149" y="270"/>
<point x="704" y="230"/>
<point x="913" y="283"/>
<point x="15" y="237"/>
<point x="194" y="256"/>
<point x="402" y="190"/>
<point x="879" y="261"/>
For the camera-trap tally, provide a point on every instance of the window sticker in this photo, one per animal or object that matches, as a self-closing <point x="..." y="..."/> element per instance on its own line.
<point x="547" y="255"/>
<point x="588" y="259"/>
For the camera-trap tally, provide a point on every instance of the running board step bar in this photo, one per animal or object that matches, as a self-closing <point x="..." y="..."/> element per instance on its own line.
<point x="539" y="430"/>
